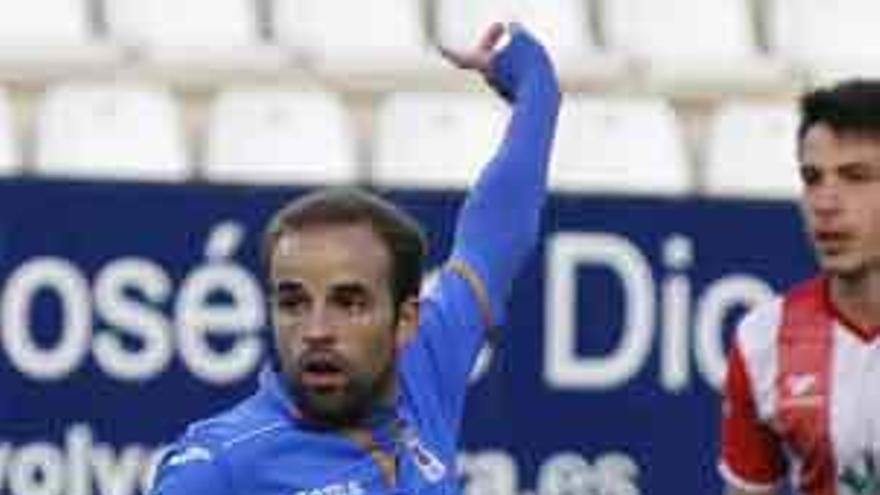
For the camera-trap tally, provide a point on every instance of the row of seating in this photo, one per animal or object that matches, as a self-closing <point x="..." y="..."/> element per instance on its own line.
<point x="755" y="41"/>
<point x="610" y="145"/>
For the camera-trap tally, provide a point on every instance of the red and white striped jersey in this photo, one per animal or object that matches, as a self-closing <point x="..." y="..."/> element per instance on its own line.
<point x="802" y="396"/>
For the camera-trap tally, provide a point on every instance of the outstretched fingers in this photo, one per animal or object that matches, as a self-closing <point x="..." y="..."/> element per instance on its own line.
<point x="480" y="57"/>
<point x="491" y="37"/>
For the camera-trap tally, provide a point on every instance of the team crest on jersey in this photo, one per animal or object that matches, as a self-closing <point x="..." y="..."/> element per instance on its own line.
<point x="863" y="479"/>
<point x="427" y="462"/>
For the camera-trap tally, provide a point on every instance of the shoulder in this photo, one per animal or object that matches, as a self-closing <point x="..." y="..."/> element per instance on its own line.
<point x="248" y="422"/>
<point x="756" y="341"/>
<point x="205" y="458"/>
<point x="759" y="333"/>
<point x="758" y="330"/>
<point x="753" y="361"/>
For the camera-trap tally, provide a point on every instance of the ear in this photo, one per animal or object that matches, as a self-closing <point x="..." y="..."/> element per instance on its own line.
<point x="407" y="321"/>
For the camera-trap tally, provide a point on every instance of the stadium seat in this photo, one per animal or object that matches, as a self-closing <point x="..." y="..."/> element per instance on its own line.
<point x="620" y="146"/>
<point x="110" y="131"/>
<point x="751" y="151"/>
<point x="827" y="40"/>
<point x="10" y="151"/>
<point x="435" y="140"/>
<point x="565" y="26"/>
<point x="343" y="38"/>
<point x="223" y="35"/>
<point x="280" y="137"/>
<point x="690" y="43"/>
<point x="48" y="36"/>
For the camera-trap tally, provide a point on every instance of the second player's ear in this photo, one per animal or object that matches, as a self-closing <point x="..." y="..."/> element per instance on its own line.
<point x="407" y="321"/>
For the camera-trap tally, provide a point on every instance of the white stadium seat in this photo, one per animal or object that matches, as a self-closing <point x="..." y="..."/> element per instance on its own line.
<point x="212" y="34"/>
<point x="10" y="151"/>
<point x="280" y="137"/>
<point x="109" y="131"/>
<point x="751" y="151"/>
<point x="59" y="22"/>
<point x="345" y="37"/>
<point x="829" y="40"/>
<point x="620" y="146"/>
<point x="565" y="26"/>
<point x="697" y="42"/>
<point x="50" y="35"/>
<point x="435" y="140"/>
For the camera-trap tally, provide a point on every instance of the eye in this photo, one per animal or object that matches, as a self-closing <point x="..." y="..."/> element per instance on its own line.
<point x="353" y="303"/>
<point x="291" y="303"/>
<point x="352" y="299"/>
<point x="809" y="175"/>
<point x="857" y="173"/>
<point x="291" y="300"/>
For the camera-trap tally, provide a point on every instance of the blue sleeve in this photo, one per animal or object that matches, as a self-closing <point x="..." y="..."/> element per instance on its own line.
<point x="437" y="363"/>
<point x="499" y="222"/>
<point x="190" y="469"/>
<point x="497" y="228"/>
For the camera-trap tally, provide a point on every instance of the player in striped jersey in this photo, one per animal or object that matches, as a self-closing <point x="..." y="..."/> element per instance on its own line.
<point x="802" y="395"/>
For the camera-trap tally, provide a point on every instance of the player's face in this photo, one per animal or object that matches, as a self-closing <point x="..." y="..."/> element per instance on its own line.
<point x="841" y="199"/>
<point x="335" y="326"/>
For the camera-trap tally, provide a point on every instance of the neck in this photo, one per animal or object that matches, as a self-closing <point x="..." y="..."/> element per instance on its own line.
<point x="858" y="297"/>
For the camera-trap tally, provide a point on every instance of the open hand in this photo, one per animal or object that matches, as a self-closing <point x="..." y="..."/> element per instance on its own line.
<point x="480" y="57"/>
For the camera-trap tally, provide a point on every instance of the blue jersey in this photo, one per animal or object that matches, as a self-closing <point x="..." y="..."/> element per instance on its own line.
<point x="263" y="447"/>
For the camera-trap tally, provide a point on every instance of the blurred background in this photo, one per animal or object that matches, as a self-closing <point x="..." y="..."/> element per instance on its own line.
<point x="143" y="143"/>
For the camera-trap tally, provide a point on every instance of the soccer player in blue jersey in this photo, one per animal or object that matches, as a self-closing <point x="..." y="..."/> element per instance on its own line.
<point x="367" y="393"/>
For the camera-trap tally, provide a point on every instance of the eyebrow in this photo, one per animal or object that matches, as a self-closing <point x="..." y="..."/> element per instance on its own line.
<point x="849" y="164"/>
<point x="350" y="287"/>
<point x="288" y="286"/>
<point x="859" y="164"/>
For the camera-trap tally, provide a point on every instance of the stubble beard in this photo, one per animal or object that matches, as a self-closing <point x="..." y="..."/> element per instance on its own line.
<point x="347" y="406"/>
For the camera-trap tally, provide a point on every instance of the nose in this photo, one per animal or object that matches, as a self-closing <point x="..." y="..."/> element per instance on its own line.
<point x="318" y="329"/>
<point x="824" y="201"/>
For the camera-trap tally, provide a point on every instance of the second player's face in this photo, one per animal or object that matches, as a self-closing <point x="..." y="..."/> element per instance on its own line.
<point x="334" y="319"/>
<point x="841" y="199"/>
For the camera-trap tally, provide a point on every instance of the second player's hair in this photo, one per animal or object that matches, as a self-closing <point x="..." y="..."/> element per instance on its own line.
<point x="852" y="106"/>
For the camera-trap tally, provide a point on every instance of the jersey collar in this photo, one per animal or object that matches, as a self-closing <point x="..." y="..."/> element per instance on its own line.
<point x="862" y="332"/>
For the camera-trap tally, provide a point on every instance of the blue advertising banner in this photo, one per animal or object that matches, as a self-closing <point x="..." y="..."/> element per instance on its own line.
<point x="128" y="310"/>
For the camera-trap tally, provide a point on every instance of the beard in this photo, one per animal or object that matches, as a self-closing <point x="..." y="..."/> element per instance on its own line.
<point x="345" y="405"/>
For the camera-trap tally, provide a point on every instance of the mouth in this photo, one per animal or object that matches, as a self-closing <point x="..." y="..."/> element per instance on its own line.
<point x="832" y="242"/>
<point x="831" y="237"/>
<point x="323" y="372"/>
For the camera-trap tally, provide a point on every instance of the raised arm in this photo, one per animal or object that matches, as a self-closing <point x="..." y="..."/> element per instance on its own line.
<point x="499" y="222"/>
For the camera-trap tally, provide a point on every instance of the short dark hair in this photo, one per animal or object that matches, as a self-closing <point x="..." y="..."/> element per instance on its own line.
<point x="400" y="232"/>
<point x="851" y="106"/>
